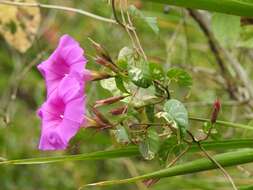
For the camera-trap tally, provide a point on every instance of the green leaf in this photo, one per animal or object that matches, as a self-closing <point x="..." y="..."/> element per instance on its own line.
<point x="234" y="7"/>
<point x="150" y="111"/>
<point x="176" y="112"/>
<point x="170" y="148"/>
<point x="156" y="71"/>
<point x="180" y="76"/>
<point x="226" y="28"/>
<point x="142" y="97"/>
<point x="166" y="149"/>
<point x="150" y="146"/>
<point x="125" y="58"/>
<point x="139" y="74"/>
<point x="120" y="84"/>
<point x="125" y="53"/>
<point x="151" y="21"/>
<point x="199" y="165"/>
<point x="138" y="69"/>
<point x="111" y="86"/>
<point x="121" y="135"/>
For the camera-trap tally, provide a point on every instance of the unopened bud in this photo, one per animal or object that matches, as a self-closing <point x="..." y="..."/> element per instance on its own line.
<point x="100" y="50"/>
<point x="110" y="100"/>
<point x="89" y="122"/>
<point x="106" y="63"/>
<point x="119" y="111"/>
<point x="94" y="123"/>
<point x="99" y="75"/>
<point x="100" y="118"/>
<point x="216" y="110"/>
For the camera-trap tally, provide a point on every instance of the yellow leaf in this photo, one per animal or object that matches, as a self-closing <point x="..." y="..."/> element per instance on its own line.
<point x="19" y="25"/>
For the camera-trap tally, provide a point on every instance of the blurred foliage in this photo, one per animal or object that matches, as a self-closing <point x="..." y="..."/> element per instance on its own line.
<point x="178" y="44"/>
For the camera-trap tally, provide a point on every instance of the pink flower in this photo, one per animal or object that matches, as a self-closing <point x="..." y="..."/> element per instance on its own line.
<point x="68" y="57"/>
<point x="62" y="114"/>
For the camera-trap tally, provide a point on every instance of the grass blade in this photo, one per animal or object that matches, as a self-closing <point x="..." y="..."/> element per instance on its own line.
<point x="204" y="164"/>
<point x="235" y="7"/>
<point x="128" y="152"/>
<point x="100" y="155"/>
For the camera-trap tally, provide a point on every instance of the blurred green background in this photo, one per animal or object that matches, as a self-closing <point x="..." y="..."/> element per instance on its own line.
<point x="180" y="43"/>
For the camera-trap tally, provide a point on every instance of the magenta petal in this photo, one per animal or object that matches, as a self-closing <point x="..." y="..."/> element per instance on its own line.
<point x="69" y="88"/>
<point x="70" y="51"/>
<point x="52" y="70"/>
<point x="75" y="110"/>
<point x="51" y="139"/>
<point x="68" y="57"/>
<point x="73" y="54"/>
<point x="54" y="105"/>
<point x="68" y="129"/>
<point x="67" y="40"/>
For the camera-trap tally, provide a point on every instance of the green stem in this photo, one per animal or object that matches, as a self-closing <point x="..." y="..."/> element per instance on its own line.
<point x="225" y="160"/>
<point x="223" y="123"/>
<point x="235" y="7"/>
<point x="128" y="152"/>
<point x="100" y="155"/>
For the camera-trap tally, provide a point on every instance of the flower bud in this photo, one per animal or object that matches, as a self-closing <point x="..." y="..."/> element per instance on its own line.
<point x="110" y="100"/>
<point x="89" y="122"/>
<point x="100" y="50"/>
<point x="215" y="112"/>
<point x="102" y="61"/>
<point x="95" y="122"/>
<point x="100" y="119"/>
<point x="119" y="111"/>
<point x="99" y="75"/>
<point x="100" y="123"/>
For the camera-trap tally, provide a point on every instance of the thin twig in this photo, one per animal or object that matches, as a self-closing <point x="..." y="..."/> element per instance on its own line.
<point x="224" y="103"/>
<point x="136" y="36"/>
<point x="179" y="156"/>
<point x="130" y="101"/>
<point x="57" y="7"/>
<point x="151" y="182"/>
<point x="115" y="15"/>
<point x="126" y="28"/>
<point x="225" y="173"/>
<point x="129" y="28"/>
